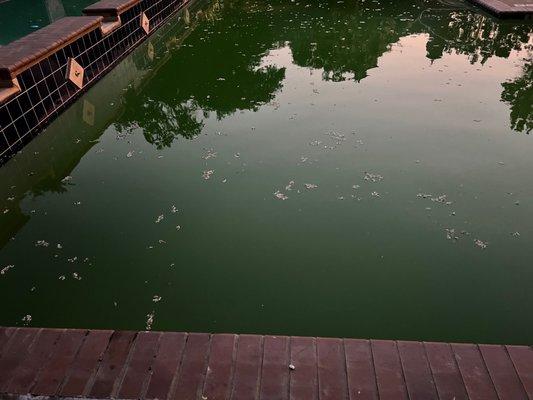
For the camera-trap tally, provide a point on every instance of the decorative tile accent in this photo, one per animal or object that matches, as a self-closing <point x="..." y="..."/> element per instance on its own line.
<point x="75" y="72"/>
<point x="145" y="23"/>
<point x="55" y="64"/>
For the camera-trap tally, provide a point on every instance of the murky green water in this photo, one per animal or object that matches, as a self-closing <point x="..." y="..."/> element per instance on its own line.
<point x="21" y="17"/>
<point x="358" y="169"/>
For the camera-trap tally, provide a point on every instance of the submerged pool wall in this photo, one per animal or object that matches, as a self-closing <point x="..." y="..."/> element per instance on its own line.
<point x="52" y="157"/>
<point x="42" y="73"/>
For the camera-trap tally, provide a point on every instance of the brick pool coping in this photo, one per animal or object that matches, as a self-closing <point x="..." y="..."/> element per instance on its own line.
<point x="103" y="364"/>
<point x="507" y="8"/>
<point x="46" y="71"/>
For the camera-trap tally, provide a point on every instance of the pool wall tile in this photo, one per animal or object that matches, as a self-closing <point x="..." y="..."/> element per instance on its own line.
<point x="34" y="82"/>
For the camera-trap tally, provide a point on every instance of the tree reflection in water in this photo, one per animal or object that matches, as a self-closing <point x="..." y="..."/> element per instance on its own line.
<point x="519" y="95"/>
<point x="212" y="67"/>
<point x="217" y="71"/>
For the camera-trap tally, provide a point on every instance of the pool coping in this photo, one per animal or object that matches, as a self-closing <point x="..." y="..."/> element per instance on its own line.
<point x="44" y="72"/>
<point x="505" y="9"/>
<point x="102" y="364"/>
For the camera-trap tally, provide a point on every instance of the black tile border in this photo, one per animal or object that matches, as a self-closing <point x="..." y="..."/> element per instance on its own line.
<point x="45" y="88"/>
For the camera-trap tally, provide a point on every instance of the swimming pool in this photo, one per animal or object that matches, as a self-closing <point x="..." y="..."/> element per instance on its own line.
<point x="314" y="168"/>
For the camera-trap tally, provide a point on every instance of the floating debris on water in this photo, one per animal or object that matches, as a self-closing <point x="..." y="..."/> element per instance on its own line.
<point x="159" y="219"/>
<point x="310" y="186"/>
<point x="173" y="209"/>
<point x="480" y="243"/>
<point x="26" y="319"/>
<point x="42" y="243"/>
<point x="210" y="154"/>
<point x="156" y="299"/>
<point x="66" y="179"/>
<point x="280" y="196"/>
<point x="150" y="320"/>
<point x="290" y="185"/>
<point x="76" y="276"/>
<point x="442" y="198"/>
<point x="450" y="234"/>
<point x="130" y="154"/>
<point x="207" y="174"/>
<point x="62" y="277"/>
<point x="5" y="269"/>
<point x="370" y="177"/>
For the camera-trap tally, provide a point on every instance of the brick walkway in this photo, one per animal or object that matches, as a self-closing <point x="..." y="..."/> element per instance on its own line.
<point x="155" y="365"/>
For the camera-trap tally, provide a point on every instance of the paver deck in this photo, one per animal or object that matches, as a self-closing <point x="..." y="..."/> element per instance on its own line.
<point x="507" y="8"/>
<point x="185" y="366"/>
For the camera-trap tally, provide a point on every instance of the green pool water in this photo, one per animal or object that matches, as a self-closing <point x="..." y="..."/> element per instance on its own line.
<point x="21" y="17"/>
<point x="343" y="168"/>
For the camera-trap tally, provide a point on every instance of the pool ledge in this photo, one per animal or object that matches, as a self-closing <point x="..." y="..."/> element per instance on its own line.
<point x="102" y="364"/>
<point x="46" y="71"/>
<point x="507" y="8"/>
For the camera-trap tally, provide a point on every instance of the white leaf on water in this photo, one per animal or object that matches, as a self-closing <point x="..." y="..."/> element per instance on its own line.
<point x="480" y="244"/>
<point x="150" y="320"/>
<point x="280" y="195"/>
<point x="207" y="174"/>
<point x="370" y="177"/>
<point x="5" y="269"/>
<point x="290" y="185"/>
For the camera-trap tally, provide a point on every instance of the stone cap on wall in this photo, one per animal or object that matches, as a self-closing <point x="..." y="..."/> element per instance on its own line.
<point x="110" y="8"/>
<point x="23" y="53"/>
